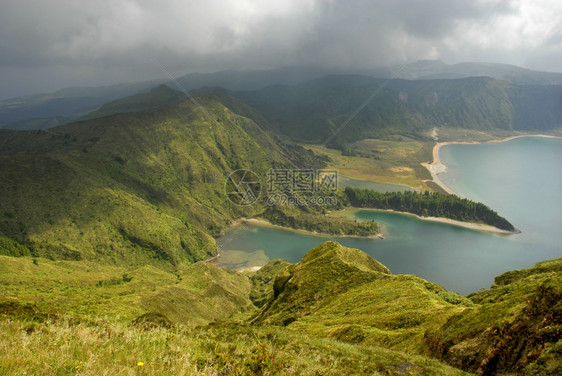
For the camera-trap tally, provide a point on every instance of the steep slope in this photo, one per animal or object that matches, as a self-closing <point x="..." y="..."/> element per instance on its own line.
<point x="132" y="188"/>
<point x="80" y="316"/>
<point x="315" y="111"/>
<point x="337" y="292"/>
<point x="515" y="327"/>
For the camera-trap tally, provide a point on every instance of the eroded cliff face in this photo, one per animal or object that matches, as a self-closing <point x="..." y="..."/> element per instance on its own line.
<point x="515" y="328"/>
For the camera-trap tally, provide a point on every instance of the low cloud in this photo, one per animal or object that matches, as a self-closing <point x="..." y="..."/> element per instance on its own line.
<point x="47" y="45"/>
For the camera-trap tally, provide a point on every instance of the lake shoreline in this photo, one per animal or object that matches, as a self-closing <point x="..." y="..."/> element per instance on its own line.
<point x="264" y="223"/>
<point x="468" y="225"/>
<point x="436" y="167"/>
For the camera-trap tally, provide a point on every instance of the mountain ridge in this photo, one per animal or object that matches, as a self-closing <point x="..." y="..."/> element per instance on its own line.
<point x="41" y="111"/>
<point x="315" y="111"/>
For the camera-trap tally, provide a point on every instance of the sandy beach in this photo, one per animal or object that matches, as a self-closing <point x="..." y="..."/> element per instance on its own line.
<point x="469" y="225"/>
<point x="436" y="167"/>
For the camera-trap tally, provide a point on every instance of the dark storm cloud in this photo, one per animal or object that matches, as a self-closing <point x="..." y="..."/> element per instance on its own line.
<point x="50" y="44"/>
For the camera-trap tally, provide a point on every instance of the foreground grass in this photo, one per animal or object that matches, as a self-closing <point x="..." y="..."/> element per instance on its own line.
<point x="337" y="312"/>
<point x="111" y="348"/>
<point x="87" y="289"/>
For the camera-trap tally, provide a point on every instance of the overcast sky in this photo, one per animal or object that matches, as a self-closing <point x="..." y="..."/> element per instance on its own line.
<point x="46" y="45"/>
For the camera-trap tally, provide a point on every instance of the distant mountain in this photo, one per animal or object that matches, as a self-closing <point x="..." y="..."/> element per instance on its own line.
<point x="38" y="123"/>
<point x="43" y="111"/>
<point x="435" y="69"/>
<point x="314" y="111"/>
<point x="40" y="111"/>
<point x="252" y="79"/>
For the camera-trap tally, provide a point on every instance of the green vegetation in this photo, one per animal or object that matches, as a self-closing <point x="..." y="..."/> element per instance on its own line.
<point x="338" y="311"/>
<point x="104" y="223"/>
<point x="63" y="347"/>
<point x="343" y="293"/>
<point x="513" y="328"/>
<point x="89" y="289"/>
<point x="133" y="189"/>
<point x="262" y="281"/>
<point x="396" y="159"/>
<point x="297" y="219"/>
<point x="9" y="247"/>
<point x="428" y="205"/>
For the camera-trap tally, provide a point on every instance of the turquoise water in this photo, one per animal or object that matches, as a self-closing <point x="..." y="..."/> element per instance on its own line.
<point x="521" y="179"/>
<point x="344" y="181"/>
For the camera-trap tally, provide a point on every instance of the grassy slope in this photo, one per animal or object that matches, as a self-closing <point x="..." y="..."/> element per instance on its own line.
<point x="338" y="311"/>
<point x="343" y="293"/>
<point x="62" y="348"/>
<point x="513" y="327"/>
<point x="78" y="317"/>
<point x="263" y="279"/>
<point x="193" y="296"/>
<point x="137" y="188"/>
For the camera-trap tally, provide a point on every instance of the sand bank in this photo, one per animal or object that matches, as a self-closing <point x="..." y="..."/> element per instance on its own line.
<point x="469" y="225"/>
<point x="436" y="167"/>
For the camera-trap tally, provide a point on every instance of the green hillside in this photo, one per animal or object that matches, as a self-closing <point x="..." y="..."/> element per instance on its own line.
<point x="345" y="294"/>
<point x="338" y="311"/>
<point x="135" y="188"/>
<point x="107" y="232"/>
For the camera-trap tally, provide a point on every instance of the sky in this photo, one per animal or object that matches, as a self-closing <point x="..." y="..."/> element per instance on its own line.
<point x="46" y="45"/>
